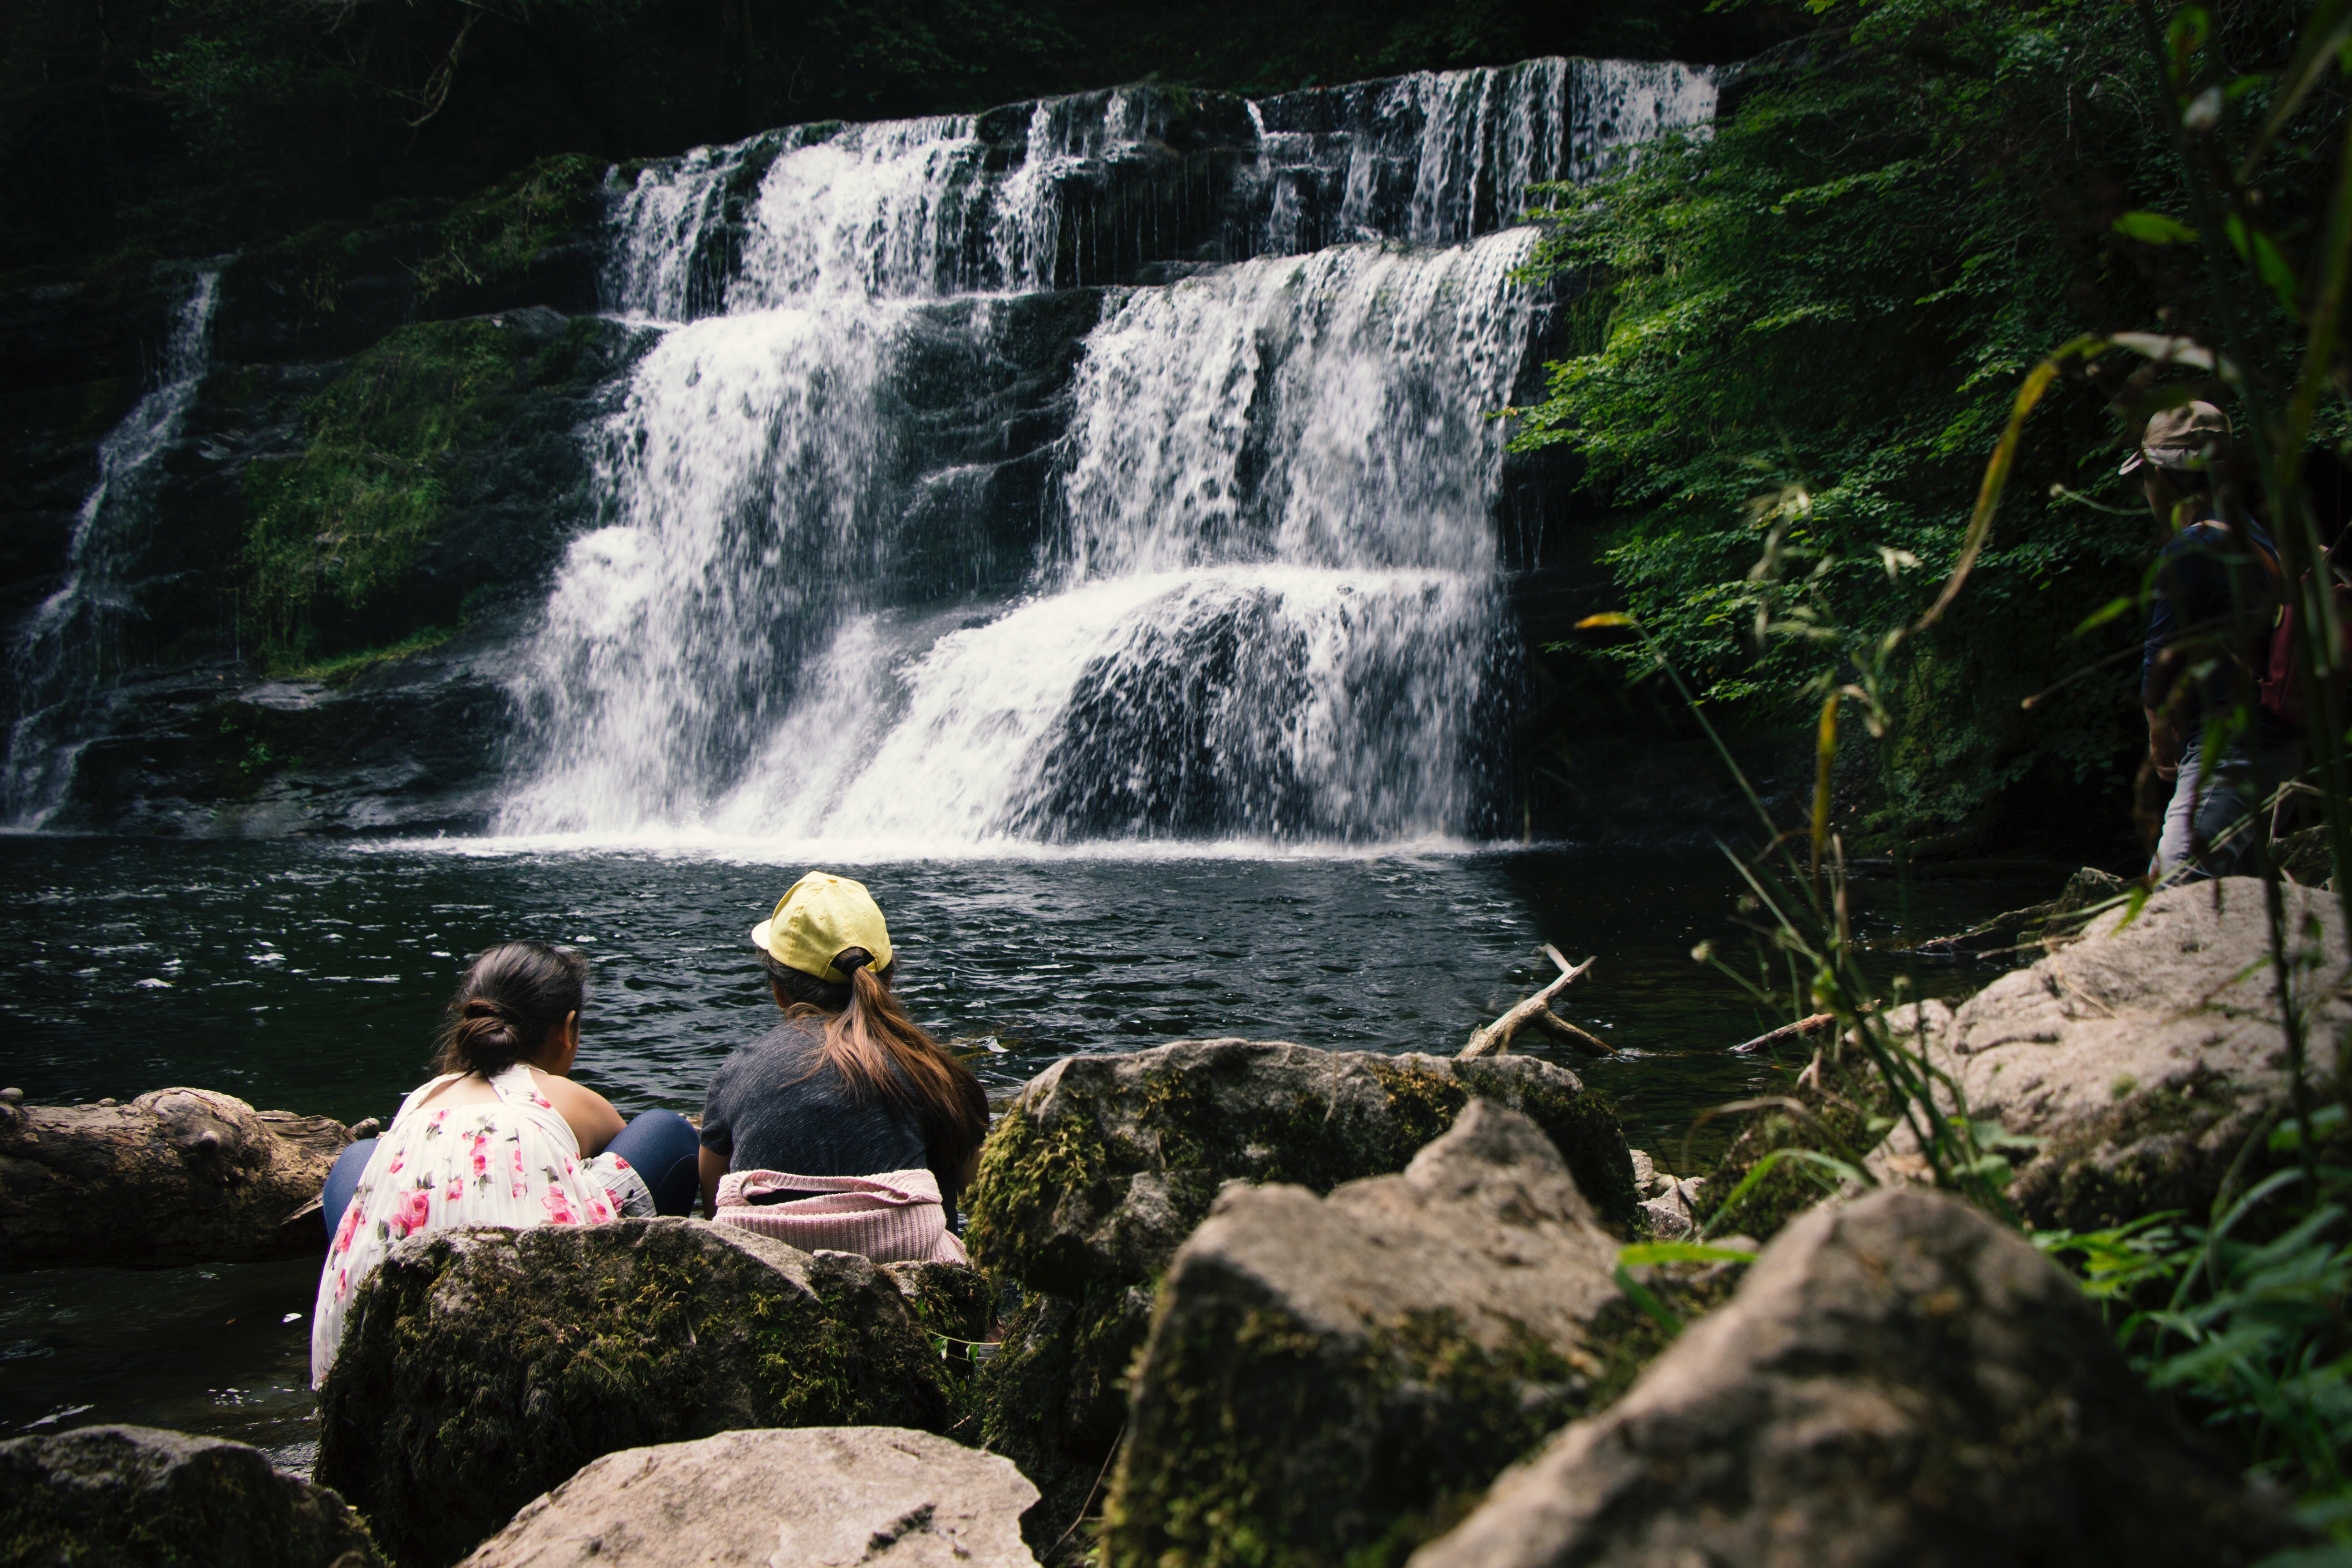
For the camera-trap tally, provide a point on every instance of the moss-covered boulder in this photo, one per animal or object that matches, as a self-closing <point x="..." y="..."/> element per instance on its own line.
<point x="479" y="1368"/>
<point x="139" y="1498"/>
<point x="1106" y="1163"/>
<point x="1899" y="1381"/>
<point x="1333" y="1380"/>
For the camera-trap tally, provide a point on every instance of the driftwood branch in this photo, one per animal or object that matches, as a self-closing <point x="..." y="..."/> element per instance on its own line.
<point x="1561" y="1029"/>
<point x="1802" y="1029"/>
<point x="1496" y="1036"/>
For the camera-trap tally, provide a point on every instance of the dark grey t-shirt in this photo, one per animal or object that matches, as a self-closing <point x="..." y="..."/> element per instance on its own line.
<point x="768" y="1111"/>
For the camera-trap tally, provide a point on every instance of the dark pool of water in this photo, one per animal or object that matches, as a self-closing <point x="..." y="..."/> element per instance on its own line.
<point x="308" y="977"/>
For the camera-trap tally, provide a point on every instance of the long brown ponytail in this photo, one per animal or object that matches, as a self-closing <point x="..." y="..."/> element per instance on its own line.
<point x="513" y="996"/>
<point x="882" y="1054"/>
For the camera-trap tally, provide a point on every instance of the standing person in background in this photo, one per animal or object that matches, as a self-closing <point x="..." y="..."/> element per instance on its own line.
<point x="501" y="1137"/>
<point x="2216" y="600"/>
<point x="845" y="1126"/>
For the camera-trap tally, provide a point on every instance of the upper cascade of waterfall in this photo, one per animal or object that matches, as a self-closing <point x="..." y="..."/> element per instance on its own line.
<point x="1118" y="465"/>
<point x="65" y="647"/>
<point x="1110" y="186"/>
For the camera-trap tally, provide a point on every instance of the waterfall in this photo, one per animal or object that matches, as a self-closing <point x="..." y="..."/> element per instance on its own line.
<point x="1115" y="466"/>
<point x="65" y="647"/>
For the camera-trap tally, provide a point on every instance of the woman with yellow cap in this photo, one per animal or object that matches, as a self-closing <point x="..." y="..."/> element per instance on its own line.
<point x="846" y="1126"/>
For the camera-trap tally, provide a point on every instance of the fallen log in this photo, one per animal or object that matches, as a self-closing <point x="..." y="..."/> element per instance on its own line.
<point x="1495" y="1037"/>
<point x="1560" y="1028"/>
<point x="177" y="1176"/>
<point x="1802" y="1029"/>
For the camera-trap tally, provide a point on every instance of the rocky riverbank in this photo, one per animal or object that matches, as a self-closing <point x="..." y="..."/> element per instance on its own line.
<point x="1243" y="1302"/>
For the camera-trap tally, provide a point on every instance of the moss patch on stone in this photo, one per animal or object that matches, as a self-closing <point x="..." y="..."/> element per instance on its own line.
<point x="1846" y="1102"/>
<point x="1271" y="1444"/>
<point x="500" y="232"/>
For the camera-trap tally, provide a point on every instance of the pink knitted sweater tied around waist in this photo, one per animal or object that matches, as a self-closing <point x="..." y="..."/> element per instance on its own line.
<point x="893" y="1216"/>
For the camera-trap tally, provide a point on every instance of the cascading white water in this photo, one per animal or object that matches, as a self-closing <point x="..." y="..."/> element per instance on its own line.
<point x="64" y="645"/>
<point x="1262" y="596"/>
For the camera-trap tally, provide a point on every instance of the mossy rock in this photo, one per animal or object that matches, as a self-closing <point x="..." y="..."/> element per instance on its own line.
<point x="140" y="1498"/>
<point x="1053" y="1399"/>
<point x="1335" y="1381"/>
<point x="1107" y="1162"/>
<point x="479" y="1368"/>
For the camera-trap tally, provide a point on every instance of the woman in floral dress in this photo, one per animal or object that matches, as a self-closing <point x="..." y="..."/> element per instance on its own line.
<point x="501" y="1137"/>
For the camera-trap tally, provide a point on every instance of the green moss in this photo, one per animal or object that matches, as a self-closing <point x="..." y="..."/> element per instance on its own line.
<point x="1269" y="1444"/>
<point x="344" y="521"/>
<point x="440" y="1422"/>
<point x="498" y="233"/>
<point x="1844" y="1100"/>
<point x="344" y="668"/>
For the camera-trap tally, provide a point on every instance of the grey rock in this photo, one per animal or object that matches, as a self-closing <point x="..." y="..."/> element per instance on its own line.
<point x="1900" y="1381"/>
<point x="1674" y="1213"/>
<point x="883" y="1494"/>
<point x="177" y="1176"/>
<point x="479" y="1368"/>
<point x="1106" y="1163"/>
<point x="1332" y="1373"/>
<point x="134" y="1496"/>
<point x="2144" y="1055"/>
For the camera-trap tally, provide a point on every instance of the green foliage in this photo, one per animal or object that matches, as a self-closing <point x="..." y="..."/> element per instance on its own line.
<point x="1815" y="322"/>
<point x="501" y="231"/>
<point x="349" y="517"/>
<point x="2244" y="1322"/>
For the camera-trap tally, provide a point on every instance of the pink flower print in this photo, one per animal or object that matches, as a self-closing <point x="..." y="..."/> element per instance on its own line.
<point x="481" y="1153"/>
<point x="542" y="1103"/>
<point x="558" y="1206"/>
<point x="398" y="1160"/>
<point x="343" y="1283"/>
<point x="412" y="1213"/>
<point x="619" y="1164"/>
<point x="598" y="1210"/>
<point x="348" y="1228"/>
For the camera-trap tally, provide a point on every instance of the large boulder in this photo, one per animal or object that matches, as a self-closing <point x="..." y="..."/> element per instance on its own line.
<point x="882" y="1495"/>
<point x="1902" y="1381"/>
<point x="1106" y="1163"/>
<point x="2141" y="1059"/>
<point x="1328" y="1379"/>
<point x="177" y="1176"/>
<point x="479" y="1368"/>
<point x="133" y="1496"/>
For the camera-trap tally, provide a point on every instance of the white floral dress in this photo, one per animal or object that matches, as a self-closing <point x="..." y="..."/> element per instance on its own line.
<point x="514" y="1162"/>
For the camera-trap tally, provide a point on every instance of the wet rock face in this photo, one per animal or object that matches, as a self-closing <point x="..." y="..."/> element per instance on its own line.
<point x="2145" y="1054"/>
<point x="177" y="1176"/>
<point x="883" y="1494"/>
<point x="138" y="1497"/>
<point x="1106" y="1164"/>
<point x="479" y="1368"/>
<point x="1900" y="1381"/>
<point x="1330" y="1377"/>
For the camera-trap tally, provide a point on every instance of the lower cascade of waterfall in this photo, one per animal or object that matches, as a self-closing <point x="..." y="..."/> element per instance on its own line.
<point x="902" y="534"/>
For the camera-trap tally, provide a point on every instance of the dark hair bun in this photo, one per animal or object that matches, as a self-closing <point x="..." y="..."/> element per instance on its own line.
<point x="512" y="996"/>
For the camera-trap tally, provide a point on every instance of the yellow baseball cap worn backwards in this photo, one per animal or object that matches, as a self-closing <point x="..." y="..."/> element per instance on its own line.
<point x="818" y="916"/>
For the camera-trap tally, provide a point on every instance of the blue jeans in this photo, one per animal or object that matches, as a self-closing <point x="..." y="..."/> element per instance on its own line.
<point x="659" y="1146"/>
<point x="2211" y="821"/>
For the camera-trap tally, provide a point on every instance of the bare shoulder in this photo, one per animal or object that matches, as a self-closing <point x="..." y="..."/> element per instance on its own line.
<point x="568" y="1097"/>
